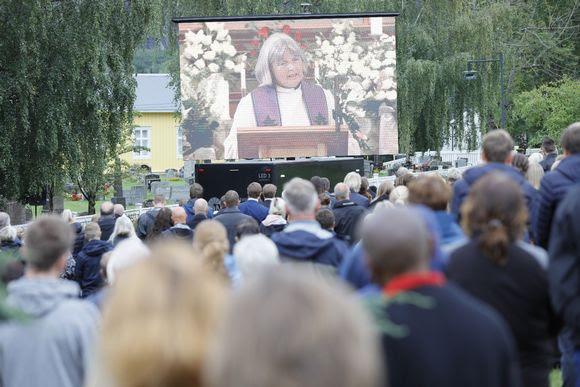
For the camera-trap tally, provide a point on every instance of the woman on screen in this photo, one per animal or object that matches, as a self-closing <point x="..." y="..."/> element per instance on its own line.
<point x="283" y="97"/>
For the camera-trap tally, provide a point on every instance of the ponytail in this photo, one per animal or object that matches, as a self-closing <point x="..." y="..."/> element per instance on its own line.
<point x="494" y="241"/>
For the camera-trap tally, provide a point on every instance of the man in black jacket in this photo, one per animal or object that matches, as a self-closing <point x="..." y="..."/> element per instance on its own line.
<point x="347" y="214"/>
<point x="424" y="341"/>
<point x="231" y="216"/>
<point x="549" y="151"/>
<point x="564" y="275"/>
<point x="147" y="219"/>
<point x="107" y="220"/>
<point x="180" y="230"/>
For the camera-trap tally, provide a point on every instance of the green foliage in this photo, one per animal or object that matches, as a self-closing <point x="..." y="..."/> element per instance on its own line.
<point x="66" y="90"/>
<point x="435" y="39"/>
<point x="548" y="109"/>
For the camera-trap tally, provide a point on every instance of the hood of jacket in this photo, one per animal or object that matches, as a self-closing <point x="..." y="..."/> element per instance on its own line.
<point x="570" y="167"/>
<point x="96" y="247"/>
<point x="473" y="174"/>
<point x="38" y="296"/>
<point x="304" y="241"/>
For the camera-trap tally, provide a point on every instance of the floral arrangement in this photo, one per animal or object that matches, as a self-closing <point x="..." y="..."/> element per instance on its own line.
<point x="360" y="73"/>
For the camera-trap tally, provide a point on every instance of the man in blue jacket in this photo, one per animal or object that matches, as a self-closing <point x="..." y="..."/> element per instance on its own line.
<point x="88" y="261"/>
<point x="497" y="153"/>
<point x="557" y="183"/>
<point x="252" y="206"/>
<point x="549" y="152"/>
<point x="303" y="240"/>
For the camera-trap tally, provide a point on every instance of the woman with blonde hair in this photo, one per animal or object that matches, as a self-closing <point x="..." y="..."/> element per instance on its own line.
<point x="383" y="193"/>
<point x="211" y="240"/>
<point x="159" y="322"/>
<point x="124" y="229"/>
<point x="276" y="219"/>
<point x="534" y="174"/>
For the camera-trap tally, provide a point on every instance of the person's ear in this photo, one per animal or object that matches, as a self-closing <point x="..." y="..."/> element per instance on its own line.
<point x="510" y="157"/>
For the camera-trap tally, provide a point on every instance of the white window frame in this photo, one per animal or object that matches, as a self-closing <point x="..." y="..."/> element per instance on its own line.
<point x="179" y="141"/>
<point x="142" y="141"/>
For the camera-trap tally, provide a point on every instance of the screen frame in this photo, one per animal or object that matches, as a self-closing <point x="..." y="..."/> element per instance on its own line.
<point x="195" y="19"/>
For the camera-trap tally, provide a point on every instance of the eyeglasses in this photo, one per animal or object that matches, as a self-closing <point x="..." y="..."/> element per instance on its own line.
<point x="295" y="62"/>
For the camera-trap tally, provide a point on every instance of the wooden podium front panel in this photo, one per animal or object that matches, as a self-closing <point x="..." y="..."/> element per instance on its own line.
<point x="269" y="142"/>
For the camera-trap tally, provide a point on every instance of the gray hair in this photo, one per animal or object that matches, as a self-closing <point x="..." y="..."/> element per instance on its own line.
<point x="353" y="180"/>
<point x="294" y="323"/>
<point x="253" y="253"/>
<point x="126" y="254"/>
<point x="341" y="191"/>
<point x="123" y="226"/>
<point x="399" y="196"/>
<point x="535" y="157"/>
<point x="7" y="232"/>
<point x="272" y="50"/>
<point x="200" y="206"/>
<point x="300" y="196"/>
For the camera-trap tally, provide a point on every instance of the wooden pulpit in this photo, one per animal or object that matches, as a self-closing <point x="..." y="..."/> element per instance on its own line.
<point x="292" y="141"/>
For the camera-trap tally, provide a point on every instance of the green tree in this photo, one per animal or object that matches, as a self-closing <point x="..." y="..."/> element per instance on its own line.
<point x="547" y="109"/>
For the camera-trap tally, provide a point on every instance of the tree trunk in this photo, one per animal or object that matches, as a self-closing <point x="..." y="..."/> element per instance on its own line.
<point x="92" y="199"/>
<point x="118" y="178"/>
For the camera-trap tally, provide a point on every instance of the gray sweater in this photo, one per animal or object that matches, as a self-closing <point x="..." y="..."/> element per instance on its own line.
<point x="53" y="346"/>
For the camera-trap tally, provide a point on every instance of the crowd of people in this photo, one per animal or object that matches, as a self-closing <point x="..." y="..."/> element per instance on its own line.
<point x="468" y="280"/>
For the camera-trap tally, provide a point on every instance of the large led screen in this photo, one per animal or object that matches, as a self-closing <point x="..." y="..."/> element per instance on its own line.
<point x="296" y="87"/>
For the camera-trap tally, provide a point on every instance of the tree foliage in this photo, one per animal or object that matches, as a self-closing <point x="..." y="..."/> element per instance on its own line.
<point x="545" y="110"/>
<point x="435" y="39"/>
<point x="66" y="91"/>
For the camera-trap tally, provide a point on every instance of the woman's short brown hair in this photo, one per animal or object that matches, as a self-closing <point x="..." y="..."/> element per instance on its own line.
<point x="159" y="320"/>
<point x="431" y="191"/>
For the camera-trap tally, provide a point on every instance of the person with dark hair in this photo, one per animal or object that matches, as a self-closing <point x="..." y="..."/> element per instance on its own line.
<point x="497" y="153"/>
<point x="327" y="193"/>
<point x="87" y="271"/>
<point x="404" y="179"/>
<point x="195" y="192"/>
<point x="180" y="230"/>
<point x="520" y="162"/>
<point x="556" y="184"/>
<point x="247" y="227"/>
<point x="364" y="189"/>
<point x="252" y="207"/>
<point x="269" y="193"/>
<point x="508" y="275"/>
<point x="52" y="346"/>
<point x="325" y="218"/>
<point x="231" y="216"/>
<point x="318" y="184"/>
<point x="147" y="219"/>
<point x="563" y="273"/>
<point x="548" y="150"/>
<point x="107" y="220"/>
<point x="435" y="193"/>
<point x="425" y="342"/>
<point x="162" y="222"/>
<point x="347" y="215"/>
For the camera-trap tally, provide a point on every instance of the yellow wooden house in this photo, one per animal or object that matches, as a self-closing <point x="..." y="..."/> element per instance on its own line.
<point x="156" y="125"/>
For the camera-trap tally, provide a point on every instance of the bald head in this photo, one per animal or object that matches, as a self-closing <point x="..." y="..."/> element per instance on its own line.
<point x="200" y="206"/>
<point x="396" y="242"/>
<point x="106" y="208"/>
<point x="341" y="191"/>
<point x="118" y="209"/>
<point x="178" y="215"/>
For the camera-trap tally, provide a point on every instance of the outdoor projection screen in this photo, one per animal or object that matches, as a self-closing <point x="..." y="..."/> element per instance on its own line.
<point x="307" y="85"/>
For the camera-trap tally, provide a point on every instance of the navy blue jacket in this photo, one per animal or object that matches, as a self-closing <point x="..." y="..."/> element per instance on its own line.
<point x="188" y="207"/>
<point x="87" y="268"/>
<point x="449" y="230"/>
<point x="548" y="161"/>
<point x="107" y="225"/>
<point x="553" y="189"/>
<point x="564" y="267"/>
<point x="347" y="216"/>
<point x="359" y="199"/>
<point x="180" y="232"/>
<point x="461" y="187"/>
<point x="456" y="341"/>
<point x="79" y="238"/>
<point x="254" y="209"/>
<point x="354" y="269"/>
<point x="303" y="246"/>
<point x="230" y="218"/>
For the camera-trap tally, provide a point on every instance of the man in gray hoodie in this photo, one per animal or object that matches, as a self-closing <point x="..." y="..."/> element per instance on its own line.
<point x="51" y="346"/>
